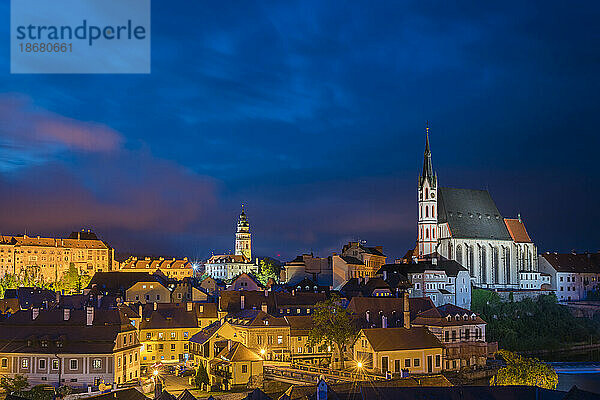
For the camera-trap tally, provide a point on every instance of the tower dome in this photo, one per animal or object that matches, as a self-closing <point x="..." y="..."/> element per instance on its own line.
<point x="243" y="241"/>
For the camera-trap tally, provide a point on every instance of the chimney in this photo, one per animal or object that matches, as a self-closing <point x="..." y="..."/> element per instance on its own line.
<point x="229" y="345"/>
<point x="90" y="316"/>
<point x="242" y="302"/>
<point x="140" y="310"/>
<point x="406" y="311"/>
<point x="35" y="312"/>
<point x="384" y="275"/>
<point x="188" y="306"/>
<point x="434" y="261"/>
<point x="66" y="314"/>
<point x="155" y="306"/>
<point x="263" y="307"/>
<point x="383" y="321"/>
<point x="367" y="315"/>
<point x="266" y="293"/>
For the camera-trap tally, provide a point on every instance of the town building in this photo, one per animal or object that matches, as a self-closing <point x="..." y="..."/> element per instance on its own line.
<point x="48" y="259"/>
<point x="187" y="290"/>
<point x="148" y="291"/>
<point x="529" y="280"/>
<point x="245" y="281"/>
<point x="116" y="283"/>
<point x="443" y="281"/>
<point x="236" y="366"/>
<point x="396" y="350"/>
<point x="377" y="312"/>
<point x="79" y="348"/>
<point x="172" y="268"/>
<point x="461" y="331"/>
<point x="572" y="275"/>
<point x="165" y="330"/>
<point x="301" y="351"/>
<point x="318" y="269"/>
<point x="465" y="225"/>
<point x="229" y="266"/>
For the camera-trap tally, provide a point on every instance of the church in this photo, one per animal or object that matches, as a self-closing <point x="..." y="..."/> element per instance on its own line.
<point x="229" y="266"/>
<point x="466" y="226"/>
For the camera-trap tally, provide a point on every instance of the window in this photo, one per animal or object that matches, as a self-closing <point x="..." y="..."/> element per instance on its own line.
<point x="416" y="362"/>
<point x="73" y="364"/>
<point x="25" y="363"/>
<point x="438" y="361"/>
<point x="172" y="346"/>
<point x="55" y="364"/>
<point x="173" y="335"/>
<point x="149" y="347"/>
<point x="42" y="363"/>
<point x="5" y="363"/>
<point x="244" y="369"/>
<point x="148" y="335"/>
<point x="160" y="336"/>
<point x="96" y="363"/>
<point x="279" y="339"/>
<point x="397" y="365"/>
<point x="407" y="363"/>
<point x="185" y="335"/>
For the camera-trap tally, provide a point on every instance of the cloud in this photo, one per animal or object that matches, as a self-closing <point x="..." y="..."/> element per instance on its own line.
<point x="32" y="135"/>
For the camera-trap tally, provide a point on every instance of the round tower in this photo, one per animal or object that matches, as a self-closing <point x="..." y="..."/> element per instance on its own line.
<point x="243" y="242"/>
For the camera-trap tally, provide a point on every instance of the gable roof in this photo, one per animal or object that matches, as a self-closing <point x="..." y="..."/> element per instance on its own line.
<point x="255" y="318"/>
<point x="517" y="230"/>
<point x="120" y="394"/>
<point x="574" y="262"/>
<point x="238" y="353"/>
<point x="390" y="339"/>
<point x="471" y="214"/>
<point x="120" y="281"/>
<point x="438" y="316"/>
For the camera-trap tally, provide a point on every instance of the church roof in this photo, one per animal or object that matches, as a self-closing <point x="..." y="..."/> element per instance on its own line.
<point x="517" y="230"/>
<point x="471" y="214"/>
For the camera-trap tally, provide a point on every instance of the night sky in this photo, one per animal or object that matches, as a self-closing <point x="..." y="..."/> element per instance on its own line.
<point x="312" y="114"/>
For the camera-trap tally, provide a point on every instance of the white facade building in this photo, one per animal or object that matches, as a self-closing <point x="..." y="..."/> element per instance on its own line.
<point x="465" y="225"/>
<point x="572" y="275"/>
<point x="229" y="266"/>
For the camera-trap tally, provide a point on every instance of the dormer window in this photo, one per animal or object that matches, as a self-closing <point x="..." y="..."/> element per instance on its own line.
<point x="449" y="318"/>
<point x="44" y="343"/>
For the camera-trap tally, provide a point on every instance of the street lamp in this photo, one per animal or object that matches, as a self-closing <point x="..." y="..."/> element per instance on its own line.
<point x="359" y="365"/>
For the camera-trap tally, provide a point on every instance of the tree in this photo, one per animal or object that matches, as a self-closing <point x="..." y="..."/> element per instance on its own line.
<point x="72" y="281"/>
<point x="201" y="377"/>
<point x="268" y="270"/>
<point x="332" y="324"/>
<point x="16" y="384"/>
<point x="521" y="370"/>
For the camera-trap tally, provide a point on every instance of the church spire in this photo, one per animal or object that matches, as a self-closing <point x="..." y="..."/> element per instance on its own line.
<point x="427" y="165"/>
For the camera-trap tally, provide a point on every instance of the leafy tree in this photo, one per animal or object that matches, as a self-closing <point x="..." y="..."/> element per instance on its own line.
<point x="201" y="377"/>
<point x="332" y="324"/>
<point x="521" y="370"/>
<point x="268" y="270"/>
<point x="72" y="281"/>
<point x="16" y="384"/>
<point x="532" y="324"/>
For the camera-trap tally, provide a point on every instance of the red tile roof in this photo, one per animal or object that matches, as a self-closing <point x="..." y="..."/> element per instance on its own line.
<point x="517" y="230"/>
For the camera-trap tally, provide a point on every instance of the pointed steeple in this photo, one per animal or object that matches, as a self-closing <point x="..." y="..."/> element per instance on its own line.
<point x="427" y="173"/>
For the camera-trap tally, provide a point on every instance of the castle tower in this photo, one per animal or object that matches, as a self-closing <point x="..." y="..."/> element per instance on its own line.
<point x="427" y="225"/>
<point x="243" y="244"/>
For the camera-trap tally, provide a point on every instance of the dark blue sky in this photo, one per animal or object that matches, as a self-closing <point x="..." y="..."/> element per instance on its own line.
<point x="311" y="113"/>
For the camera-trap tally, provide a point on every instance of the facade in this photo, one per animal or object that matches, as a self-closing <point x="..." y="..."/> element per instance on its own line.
<point x="461" y="331"/>
<point x="78" y="348"/>
<point x="394" y="350"/>
<point x="165" y="331"/>
<point x="236" y="366"/>
<point x="534" y="280"/>
<point x="171" y="267"/>
<point x="465" y="225"/>
<point x="185" y="290"/>
<point x="48" y="259"/>
<point x="300" y="349"/>
<point x="245" y="282"/>
<point x="262" y="333"/>
<point x="572" y="275"/>
<point x="148" y="292"/>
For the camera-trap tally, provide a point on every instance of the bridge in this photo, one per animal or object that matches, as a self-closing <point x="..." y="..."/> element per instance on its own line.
<point x="299" y="374"/>
<point x="576" y="367"/>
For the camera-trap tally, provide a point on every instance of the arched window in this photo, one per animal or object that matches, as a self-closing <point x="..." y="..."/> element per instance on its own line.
<point x="506" y="263"/>
<point x="471" y="260"/>
<point x="459" y="254"/>
<point x="482" y="264"/>
<point x="426" y="233"/>
<point x="426" y="211"/>
<point x="450" y="250"/>
<point x="433" y="211"/>
<point x="496" y="264"/>
<point x="426" y="193"/>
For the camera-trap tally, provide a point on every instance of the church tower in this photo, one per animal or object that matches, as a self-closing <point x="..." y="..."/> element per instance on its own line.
<point x="243" y="244"/>
<point x="427" y="225"/>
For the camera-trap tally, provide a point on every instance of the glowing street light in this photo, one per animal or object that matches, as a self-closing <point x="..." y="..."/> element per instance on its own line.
<point x="262" y="352"/>
<point x="359" y="365"/>
<point x="155" y="372"/>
